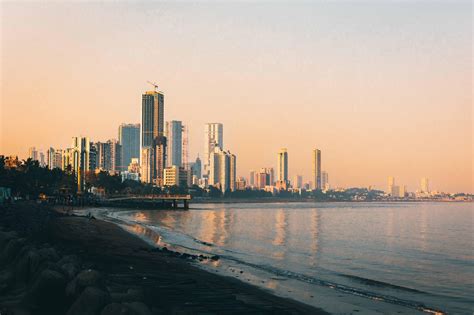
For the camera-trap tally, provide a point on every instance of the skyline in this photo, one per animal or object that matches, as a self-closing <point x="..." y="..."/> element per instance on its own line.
<point x="419" y="133"/>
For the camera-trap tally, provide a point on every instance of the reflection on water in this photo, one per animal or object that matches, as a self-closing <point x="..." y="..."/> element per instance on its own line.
<point x="387" y="248"/>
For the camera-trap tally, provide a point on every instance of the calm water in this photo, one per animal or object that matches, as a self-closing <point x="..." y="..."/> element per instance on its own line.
<point x="407" y="256"/>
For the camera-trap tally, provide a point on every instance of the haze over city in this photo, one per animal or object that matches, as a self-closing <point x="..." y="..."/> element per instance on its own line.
<point x="383" y="90"/>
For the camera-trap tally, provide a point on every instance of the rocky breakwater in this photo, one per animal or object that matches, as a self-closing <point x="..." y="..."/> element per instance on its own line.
<point x="37" y="278"/>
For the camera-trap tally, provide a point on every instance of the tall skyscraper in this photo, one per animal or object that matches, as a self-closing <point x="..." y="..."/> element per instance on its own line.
<point x="425" y="185"/>
<point x="222" y="170"/>
<point x="152" y="117"/>
<point x="213" y="138"/>
<point x="80" y="159"/>
<point x="317" y="169"/>
<point x="174" y="135"/>
<point x="129" y="139"/>
<point x="282" y="166"/>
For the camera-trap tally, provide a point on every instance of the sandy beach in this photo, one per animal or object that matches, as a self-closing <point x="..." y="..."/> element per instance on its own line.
<point x="98" y="268"/>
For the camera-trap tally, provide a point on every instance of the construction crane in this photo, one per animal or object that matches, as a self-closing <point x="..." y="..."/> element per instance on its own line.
<point x="154" y="84"/>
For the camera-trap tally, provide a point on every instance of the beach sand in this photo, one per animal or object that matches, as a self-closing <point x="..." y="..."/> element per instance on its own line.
<point x="132" y="272"/>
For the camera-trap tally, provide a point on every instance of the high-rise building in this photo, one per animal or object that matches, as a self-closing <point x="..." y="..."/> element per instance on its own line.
<point x="196" y="168"/>
<point x="152" y="117"/>
<point x="298" y="181"/>
<point x="222" y="170"/>
<point x="390" y="184"/>
<point x="317" y="169"/>
<point x="103" y="156"/>
<point x="80" y="159"/>
<point x="50" y="157"/>
<point x="252" y="179"/>
<point x="425" y="185"/>
<point x="115" y="155"/>
<point x="33" y="153"/>
<point x="325" y="180"/>
<point x="240" y="184"/>
<point x="282" y="166"/>
<point x="174" y="135"/>
<point x="147" y="165"/>
<point x="402" y="191"/>
<point x="92" y="156"/>
<point x="159" y="146"/>
<point x="213" y="138"/>
<point x="42" y="160"/>
<point x="175" y="176"/>
<point x="129" y="139"/>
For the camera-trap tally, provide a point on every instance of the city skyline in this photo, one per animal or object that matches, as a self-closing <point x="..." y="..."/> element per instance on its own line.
<point x="409" y="127"/>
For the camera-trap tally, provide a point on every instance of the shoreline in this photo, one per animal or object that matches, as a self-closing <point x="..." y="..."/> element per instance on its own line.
<point x="126" y="264"/>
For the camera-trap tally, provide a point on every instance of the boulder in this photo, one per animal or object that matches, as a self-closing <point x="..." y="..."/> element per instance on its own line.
<point x="90" y="302"/>
<point x="86" y="278"/>
<point x="130" y="296"/>
<point x="138" y="308"/>
<point x="11" y="250"/>
<point x="47" y="292"/>
<point x="116" y="309"/>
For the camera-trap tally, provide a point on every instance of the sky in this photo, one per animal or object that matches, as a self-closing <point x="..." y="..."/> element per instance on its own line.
<point x="382" y="88"/>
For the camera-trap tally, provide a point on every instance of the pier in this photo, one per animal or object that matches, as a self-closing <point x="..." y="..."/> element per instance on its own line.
<point x="150" y="201"/>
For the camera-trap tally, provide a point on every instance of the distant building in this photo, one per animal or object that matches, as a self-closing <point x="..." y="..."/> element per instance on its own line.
<point x="252" y="179"/>
<point x="129" y="139"/>
<point x="92" y="156"/>
<point x="282" y="166"/>
<point x="159" y="146"/>
<point x="402" y="191"/>
<point x="298" y="181"/>
<point x="174" y="135"/>
<point x="175" y="176"/>
<point x="42" y="160"/>
<point x="33" y="153"/>
<point x="213" y="138"/>
<point x="222" y="170"/>
<point x="115" y="155"/>
<point x="240" y="184"/>
<point x="53" y="158"/>
<point x="196" y="168"/>
<point x="80" y="159"/>
<point x="147" y="165"/>
<point x="317" y="169"/>
<point x="152" y="117"/>
<point x="425" y="185"/>
<point x="395" y="191"/>
<point x="134" y="166"/>
<point x="325" y="181"/>
<point x="390" y="184"/>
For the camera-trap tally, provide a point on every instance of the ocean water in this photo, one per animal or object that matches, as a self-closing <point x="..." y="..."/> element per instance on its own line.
<point x="343" y="257"/>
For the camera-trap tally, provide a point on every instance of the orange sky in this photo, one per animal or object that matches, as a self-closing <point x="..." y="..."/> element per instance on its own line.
<point x="383" y="89"/>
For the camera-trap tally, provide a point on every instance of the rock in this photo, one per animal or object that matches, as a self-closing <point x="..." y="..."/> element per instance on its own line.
<point x="11" y="250"/>
<point x="7" y="279"/>
<point x="86" y="278"/>
<point x="138" y="308"/>
<point x="116" y="309"/>
<point x="70" y="270"/>
<point x="6" y="237"/>
<point x="215" y="257"/>
<point x="28" y="265"/>
<point x="48" y="253"/>
<point x="90" y="302"/>
<point x="47" y="291"/>
<point x="130" y="296"/>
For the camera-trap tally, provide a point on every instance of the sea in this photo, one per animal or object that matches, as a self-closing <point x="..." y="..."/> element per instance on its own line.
<point x="346" y="258"/>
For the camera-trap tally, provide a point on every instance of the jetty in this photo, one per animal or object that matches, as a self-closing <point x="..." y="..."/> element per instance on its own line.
<point x="164" y="201"/>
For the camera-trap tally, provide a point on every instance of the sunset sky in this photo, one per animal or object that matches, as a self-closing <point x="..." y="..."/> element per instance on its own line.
<point x="382" y="88"/>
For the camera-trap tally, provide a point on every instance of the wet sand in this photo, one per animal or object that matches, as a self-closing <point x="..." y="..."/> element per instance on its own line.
<point x="167" y="284"/>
